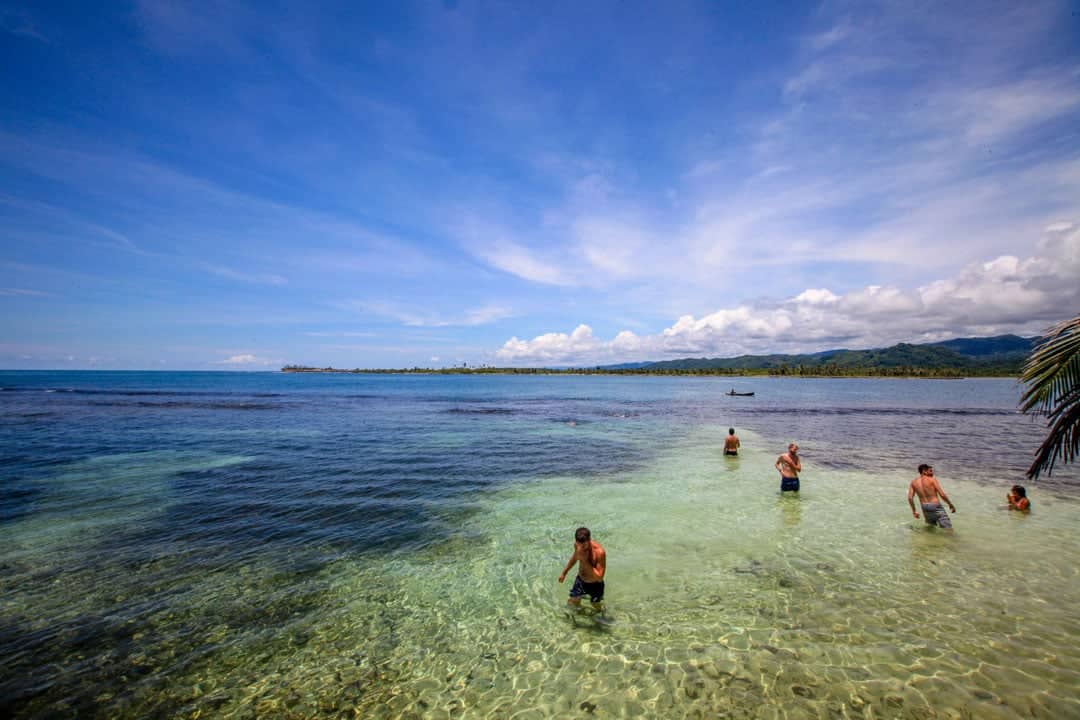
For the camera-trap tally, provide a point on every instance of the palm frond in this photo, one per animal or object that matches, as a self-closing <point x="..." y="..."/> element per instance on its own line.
<point x="1052" y="374"/>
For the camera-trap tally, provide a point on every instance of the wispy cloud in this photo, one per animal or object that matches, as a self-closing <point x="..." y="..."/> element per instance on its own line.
<point x="257" y="278"/>
<point x="336" y="334"/>
<point x="414" y="318"/>
<point x="18" y="21"/>
<point x="21" y="292"/>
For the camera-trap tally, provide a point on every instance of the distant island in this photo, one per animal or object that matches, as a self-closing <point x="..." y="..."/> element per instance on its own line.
<point x="1000" y="356"/>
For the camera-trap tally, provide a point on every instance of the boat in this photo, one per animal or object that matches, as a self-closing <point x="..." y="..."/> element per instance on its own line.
<point x="738" y="394"/>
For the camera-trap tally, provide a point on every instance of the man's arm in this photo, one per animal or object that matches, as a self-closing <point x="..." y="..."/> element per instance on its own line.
<point x="795" y="462"/>
<point x="941" y="492"/>
<point x="911" y="499"/>
<point x="778" y="461"/>
<point x="573" y="559"/>
<point x="599" y="564"/>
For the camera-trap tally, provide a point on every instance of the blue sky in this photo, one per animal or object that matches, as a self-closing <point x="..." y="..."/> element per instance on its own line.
<point x="221" y="185"/>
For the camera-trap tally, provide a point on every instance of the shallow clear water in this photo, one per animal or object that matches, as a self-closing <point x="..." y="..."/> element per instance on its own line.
<point x="240" y="545"/>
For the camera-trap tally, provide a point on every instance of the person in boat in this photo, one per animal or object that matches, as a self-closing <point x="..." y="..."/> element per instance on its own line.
<point x="731" y="443"/>
<point x="930" y="493"/>
<point x="789" y="466"/>
<point x="591" y="560"/>
<point x="1018" y="499"/>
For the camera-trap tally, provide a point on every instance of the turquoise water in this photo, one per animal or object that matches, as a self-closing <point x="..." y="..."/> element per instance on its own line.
<point x="242" y="545"/>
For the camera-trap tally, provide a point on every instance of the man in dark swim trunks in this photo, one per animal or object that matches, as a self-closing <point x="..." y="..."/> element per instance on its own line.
<point x="592" y="563"/>
<point x="789" y="466"/>
<point x="731" y="443"/>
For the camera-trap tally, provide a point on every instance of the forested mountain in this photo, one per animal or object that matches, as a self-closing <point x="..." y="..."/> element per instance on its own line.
<point x="1001" y="355"/>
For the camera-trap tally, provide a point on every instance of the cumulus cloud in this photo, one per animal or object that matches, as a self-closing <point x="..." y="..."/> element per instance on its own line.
<point x="552" y="346"/>
<point x="1004" y="295"/>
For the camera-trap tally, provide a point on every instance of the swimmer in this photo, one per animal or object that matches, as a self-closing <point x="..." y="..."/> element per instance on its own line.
<point x="1018" y="499"/>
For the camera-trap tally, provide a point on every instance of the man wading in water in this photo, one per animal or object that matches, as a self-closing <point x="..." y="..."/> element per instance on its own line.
<point x="789" y="466"/>
<point x="927" y="487"/>
<point x="592" y="562"/>
<point x="731" y="443"/>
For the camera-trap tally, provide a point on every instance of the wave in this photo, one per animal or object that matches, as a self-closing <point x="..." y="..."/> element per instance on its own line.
<point x="181" y="405"/>
<point x="900" y="411"/>
<point x="482" y="411"/>
<point x="143" y="393"/>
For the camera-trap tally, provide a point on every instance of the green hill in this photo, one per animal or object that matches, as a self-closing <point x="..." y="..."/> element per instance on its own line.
<point x="1002" y="355"/>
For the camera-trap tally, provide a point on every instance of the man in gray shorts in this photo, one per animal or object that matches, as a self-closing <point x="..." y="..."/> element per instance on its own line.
<point x="929" y="490"/>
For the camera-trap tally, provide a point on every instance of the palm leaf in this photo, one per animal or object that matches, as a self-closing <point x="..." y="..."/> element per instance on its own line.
<point x="1052" y="374"/>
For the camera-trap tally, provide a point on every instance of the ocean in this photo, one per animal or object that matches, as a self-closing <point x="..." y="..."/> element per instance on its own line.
<point x="244" y="545"/>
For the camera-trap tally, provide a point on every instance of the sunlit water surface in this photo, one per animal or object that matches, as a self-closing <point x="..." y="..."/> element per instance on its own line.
<point x="261" y="545"/>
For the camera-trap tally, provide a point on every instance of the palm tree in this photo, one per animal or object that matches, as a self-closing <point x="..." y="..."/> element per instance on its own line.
<point x="1052" y="373"/>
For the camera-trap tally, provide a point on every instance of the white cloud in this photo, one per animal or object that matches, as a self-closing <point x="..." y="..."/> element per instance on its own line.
<point x="1000" y="296"/>
<point x="246" y="360"/>
<point x="552" y="347"/>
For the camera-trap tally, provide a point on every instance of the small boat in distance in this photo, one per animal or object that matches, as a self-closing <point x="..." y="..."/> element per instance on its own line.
<point x="739" y="394"/>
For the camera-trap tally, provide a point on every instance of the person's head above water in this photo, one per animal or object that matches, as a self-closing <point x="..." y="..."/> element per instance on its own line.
<point x="924" y="467"/>
<point x="1019" y="491"/>
<point x="731" y="431"/>
<point x="582" y="535"/>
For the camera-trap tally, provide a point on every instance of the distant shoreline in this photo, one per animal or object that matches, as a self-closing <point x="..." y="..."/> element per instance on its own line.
<point x="906" y="373"/>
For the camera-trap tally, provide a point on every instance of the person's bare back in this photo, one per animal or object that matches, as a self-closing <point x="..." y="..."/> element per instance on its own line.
<point x="927" y="488"/>
<point x="930" y="493"/>
<point x="731" y="443"/>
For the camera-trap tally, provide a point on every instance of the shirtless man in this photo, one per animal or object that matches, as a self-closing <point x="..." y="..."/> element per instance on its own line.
<point x="789" y="466"/>
<point x="592" y="562"/>
<point x="927" y="487"/>
<point x="731" y="443"/>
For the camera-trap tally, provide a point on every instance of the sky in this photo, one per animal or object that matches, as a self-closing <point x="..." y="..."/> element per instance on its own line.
<point x="226" y="185"/>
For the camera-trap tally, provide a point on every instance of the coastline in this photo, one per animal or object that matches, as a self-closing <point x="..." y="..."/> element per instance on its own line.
<point x="917" y="374"/>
